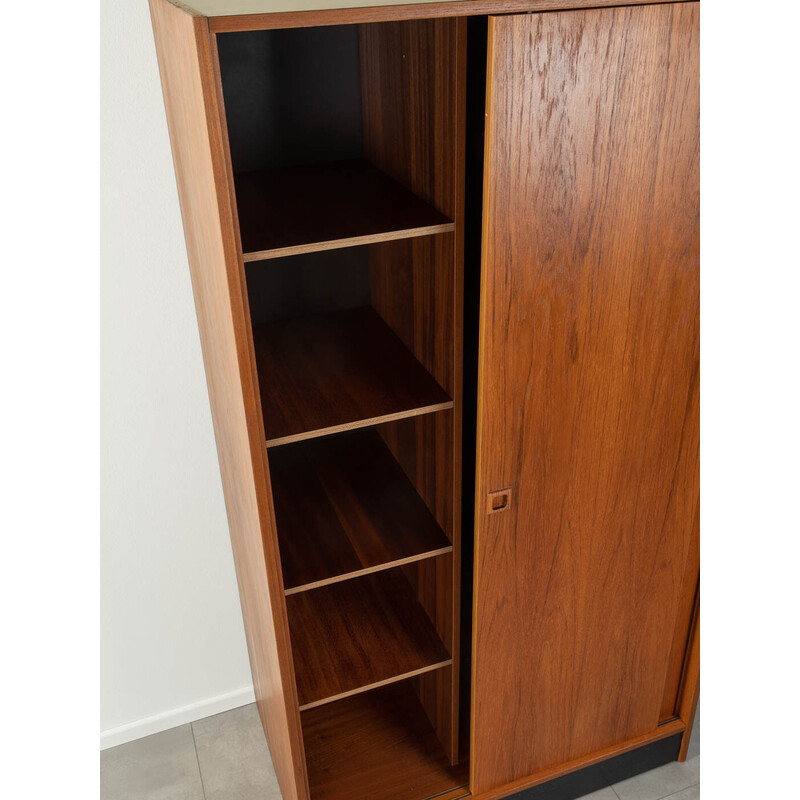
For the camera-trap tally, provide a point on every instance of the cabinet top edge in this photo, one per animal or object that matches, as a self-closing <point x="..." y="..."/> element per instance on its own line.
<point x="233" y="8"/>
<point x="240" y="15"/>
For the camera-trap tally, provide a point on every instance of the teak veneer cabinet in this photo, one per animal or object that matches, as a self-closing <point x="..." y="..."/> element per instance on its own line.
<point x="445" y="259"/>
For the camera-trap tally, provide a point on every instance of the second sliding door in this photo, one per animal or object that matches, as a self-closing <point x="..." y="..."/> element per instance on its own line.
<point x="587" y="513"/>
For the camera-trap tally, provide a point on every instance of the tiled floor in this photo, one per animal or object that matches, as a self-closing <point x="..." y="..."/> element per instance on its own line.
<point x="225" y="757"/>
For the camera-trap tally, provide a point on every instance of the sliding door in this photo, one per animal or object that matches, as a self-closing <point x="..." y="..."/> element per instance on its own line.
<point x="586" y="563"/>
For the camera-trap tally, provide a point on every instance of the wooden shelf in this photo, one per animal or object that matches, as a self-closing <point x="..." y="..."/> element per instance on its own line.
<point x="378" y="745"/>
<point x="344" y="507"/>
<point x="335" y="372"/>
<point x="284" y="212"/>
<point x="359" y="634"/>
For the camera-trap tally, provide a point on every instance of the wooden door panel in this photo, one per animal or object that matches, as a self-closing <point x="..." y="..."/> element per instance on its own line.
<point x="588" y="381"/>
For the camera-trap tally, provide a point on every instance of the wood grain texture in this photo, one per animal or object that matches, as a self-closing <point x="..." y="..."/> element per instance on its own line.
<point x="332" y="372"/>
<point x="377" y="745"/>
<point x="587" y="381"/>
<point x="413" y="86"/>
<point x="305" y="209"/>
<point x="409" y="87"/>
<point x="358" y="634"/>
<point x="344" y="507"/>
<point x="223" y="16"/>
<point x="190" y="84"/>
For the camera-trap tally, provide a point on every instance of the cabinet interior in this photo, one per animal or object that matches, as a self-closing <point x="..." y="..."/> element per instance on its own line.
<point x="345" y="144"/>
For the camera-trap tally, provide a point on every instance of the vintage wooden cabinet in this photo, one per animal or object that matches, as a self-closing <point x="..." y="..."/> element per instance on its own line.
<point x="445" y="259"/>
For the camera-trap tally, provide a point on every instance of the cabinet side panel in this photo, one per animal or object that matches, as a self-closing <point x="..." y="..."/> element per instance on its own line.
<point x="690" y="684"/>
<point x="188" y="82"/>
<point x="588" y="382"/>
<point x="681" y="643"/>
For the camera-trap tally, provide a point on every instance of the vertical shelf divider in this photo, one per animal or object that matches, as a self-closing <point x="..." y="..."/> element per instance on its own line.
<point x="413" y="84"/>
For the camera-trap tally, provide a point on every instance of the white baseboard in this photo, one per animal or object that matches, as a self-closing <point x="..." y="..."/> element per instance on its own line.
<point x="177" y="716"/>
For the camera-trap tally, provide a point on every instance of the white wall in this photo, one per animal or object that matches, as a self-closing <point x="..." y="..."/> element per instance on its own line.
<point x="172" y="641"/>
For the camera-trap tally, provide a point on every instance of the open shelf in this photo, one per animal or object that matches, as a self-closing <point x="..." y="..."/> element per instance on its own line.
<point x="346" y="148"/>
<point x="303" y="209"/>
<point x="334" y="372"/>
<point x="344" y="507"/>
<point x="359" y="634"/>
<point x="378" y="745"/>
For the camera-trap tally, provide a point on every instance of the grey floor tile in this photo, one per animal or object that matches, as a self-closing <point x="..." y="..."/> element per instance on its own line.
<point x="692" y="793"/>
<point x="660" y="783"/>
<point x="233" y="755"/>
<point x="601" y="794"/>
<point x="159" y="767"/>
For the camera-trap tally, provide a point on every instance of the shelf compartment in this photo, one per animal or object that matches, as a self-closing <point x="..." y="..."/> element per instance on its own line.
<point x="316" y="207"/>
<point x="378" y="745"/>
<point x="335" y="372"/>
<point x="359" y="634"/>
<point x="344" y="508"/>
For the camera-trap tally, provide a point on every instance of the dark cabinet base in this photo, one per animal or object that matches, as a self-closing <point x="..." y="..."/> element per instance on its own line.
<point x="598" y="776"/>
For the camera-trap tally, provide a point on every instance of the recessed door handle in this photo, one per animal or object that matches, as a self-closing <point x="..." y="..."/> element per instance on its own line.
<point x="499" y="501"/>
